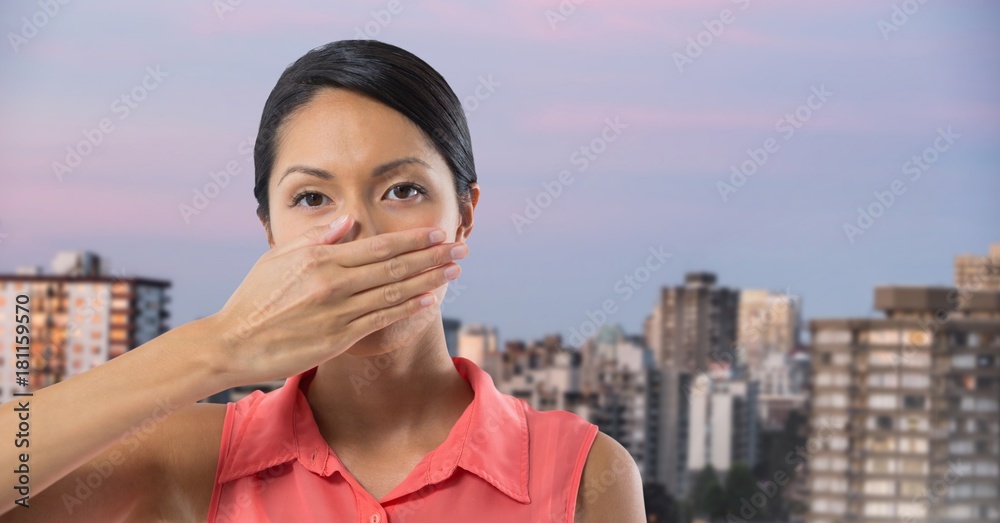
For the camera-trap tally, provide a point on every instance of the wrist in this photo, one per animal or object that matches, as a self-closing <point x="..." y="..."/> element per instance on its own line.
<point x="208" y="348"/>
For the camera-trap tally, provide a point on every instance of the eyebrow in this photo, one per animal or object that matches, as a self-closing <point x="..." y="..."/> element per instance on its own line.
<point x="376" y="172"/>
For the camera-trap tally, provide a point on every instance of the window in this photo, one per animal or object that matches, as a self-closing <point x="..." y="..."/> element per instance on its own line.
<point x="880" y="487"/>
<point x="882" y="401"/>
<point x="911" y="488"/>
<point x="914" y="402"/>
<point x="829" y="485"/>
<point x="963" y="361"/>
<point x="914" y="466"/>
<point x="916" y="381"/>
<point x="883" y="379"/>
<point x="882" y="358"/>
<point x="987" y="405"/>
<point x="884" y="337"/>
<point x="880" y="466"/>
<point x="880" y="509"/>
<point x="917" y="360"/>
<point x="913" y="445"/>
<point x="914" y="424"/>
<point x="911" y="511"/>
<point x="881" y="444"/>
<point x="883" y="422"/>
<point x="986" y="468"/>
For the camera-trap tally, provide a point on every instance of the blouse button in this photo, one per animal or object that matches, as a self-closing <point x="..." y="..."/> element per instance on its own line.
<point x="375" y="518"/>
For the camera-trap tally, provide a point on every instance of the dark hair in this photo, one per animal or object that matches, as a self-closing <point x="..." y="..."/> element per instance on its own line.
<point x="384" y="72"/>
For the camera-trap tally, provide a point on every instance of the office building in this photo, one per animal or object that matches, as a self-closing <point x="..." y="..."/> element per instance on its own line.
<point x="905" y="421"/>
<point x="80" y="317"/>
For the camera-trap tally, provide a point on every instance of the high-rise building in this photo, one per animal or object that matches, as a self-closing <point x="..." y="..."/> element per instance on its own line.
<point x="768" y="324"/>
<point x="691" y="327"/>
<point x="723" y="423"/>
<point x="80" y="318"/>
<point x="905" y="422"/>
<point x="667" y="429"/>
<point x="697" y="323"/>
<point x="768" y="332"/>
<point x="978" y="272"/>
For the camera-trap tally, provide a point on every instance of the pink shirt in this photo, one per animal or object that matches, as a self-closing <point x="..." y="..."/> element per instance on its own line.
<point x="501" y="461"/>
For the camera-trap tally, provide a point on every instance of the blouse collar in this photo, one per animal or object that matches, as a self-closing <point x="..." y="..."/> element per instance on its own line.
<point x="490" y="439"/>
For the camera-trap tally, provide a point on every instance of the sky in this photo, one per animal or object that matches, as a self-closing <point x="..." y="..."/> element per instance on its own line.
<point x="770" y="142"/>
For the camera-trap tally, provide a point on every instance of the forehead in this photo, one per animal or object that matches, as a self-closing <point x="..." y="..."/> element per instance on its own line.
<point x="345" y="132"/>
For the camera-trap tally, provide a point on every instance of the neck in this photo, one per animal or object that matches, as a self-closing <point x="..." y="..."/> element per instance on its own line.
<point x="411" y="393"/>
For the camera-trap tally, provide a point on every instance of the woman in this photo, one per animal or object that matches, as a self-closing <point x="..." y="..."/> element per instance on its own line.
<point x="363" y="153"/>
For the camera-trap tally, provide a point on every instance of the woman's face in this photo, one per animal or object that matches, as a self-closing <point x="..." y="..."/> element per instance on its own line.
<point x="327" y="152"/>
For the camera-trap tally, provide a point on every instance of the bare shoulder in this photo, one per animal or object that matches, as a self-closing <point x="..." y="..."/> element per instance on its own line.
<point x="611" y="486"/>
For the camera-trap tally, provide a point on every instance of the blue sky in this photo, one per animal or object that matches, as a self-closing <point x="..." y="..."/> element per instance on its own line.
<point x="894" y="73"/>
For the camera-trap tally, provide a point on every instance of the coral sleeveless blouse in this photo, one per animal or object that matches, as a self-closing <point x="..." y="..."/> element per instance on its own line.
<point x="502" y="461"/>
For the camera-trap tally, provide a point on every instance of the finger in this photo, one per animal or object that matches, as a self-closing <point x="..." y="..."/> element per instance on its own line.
<point x="405" y="266"/>
<point x="317" y="235"/>
<point x="384" y="317"/>
<point x="394" y="293"/>
<point x="384" y="246"/>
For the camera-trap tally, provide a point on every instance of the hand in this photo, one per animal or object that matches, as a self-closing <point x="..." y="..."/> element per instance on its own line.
<point x="311" y="299"/>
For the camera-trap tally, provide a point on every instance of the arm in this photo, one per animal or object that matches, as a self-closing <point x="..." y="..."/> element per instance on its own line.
<point x="611" y="486"/>
<point x="100" y="437"/>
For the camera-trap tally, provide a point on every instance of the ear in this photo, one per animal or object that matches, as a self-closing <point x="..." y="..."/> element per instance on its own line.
<point x="466" y="210"/>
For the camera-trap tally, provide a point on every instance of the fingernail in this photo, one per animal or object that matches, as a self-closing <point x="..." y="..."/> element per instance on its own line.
<point x="338" y="222"/>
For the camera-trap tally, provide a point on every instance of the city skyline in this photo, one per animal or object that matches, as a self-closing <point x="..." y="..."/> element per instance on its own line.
<point x="847" y="100"/>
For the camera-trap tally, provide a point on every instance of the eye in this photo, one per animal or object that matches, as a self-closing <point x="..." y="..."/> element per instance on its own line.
<point x="310" y="197"/>
<point x="405" y="188"/>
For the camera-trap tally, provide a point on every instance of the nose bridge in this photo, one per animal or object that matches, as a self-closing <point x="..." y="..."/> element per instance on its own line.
<point x="363" y="225"/>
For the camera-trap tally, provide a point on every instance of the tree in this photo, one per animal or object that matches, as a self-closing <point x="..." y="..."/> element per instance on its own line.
<point x="743" y="497"/>
<point x="706" y="495"/>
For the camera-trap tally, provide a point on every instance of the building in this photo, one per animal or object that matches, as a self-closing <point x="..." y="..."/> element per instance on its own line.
<point x="768" y="325"/>
<point x="451" y="328"/>
<point x="667" y="429"/>
<point x="80" y="318"/>
<point x="979" y="272"/>
<point x="722" y="423"/>
<point x="545" y="374"/>
<point x="475" y="341"/>
<point x="697" y="323"/>
<point x="692" y="326"/>
<point x="905" y="422"/>
<point x="616" y="369"/>
<point x="768" y="332"/>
